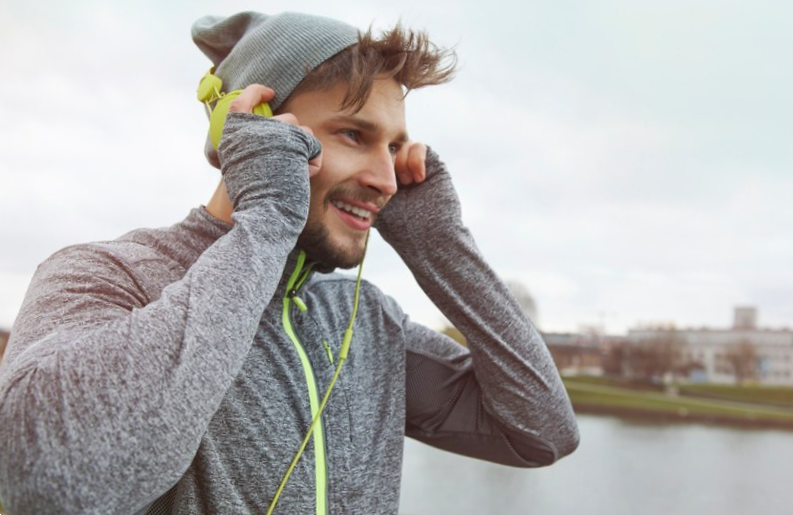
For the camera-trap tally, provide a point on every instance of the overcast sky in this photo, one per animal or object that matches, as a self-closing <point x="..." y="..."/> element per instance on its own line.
<point x="627" y="161"/>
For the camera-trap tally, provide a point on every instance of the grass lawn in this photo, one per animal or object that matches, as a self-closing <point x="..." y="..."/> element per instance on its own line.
<point x="601" y="396"/>
<point x="770" y="395"/>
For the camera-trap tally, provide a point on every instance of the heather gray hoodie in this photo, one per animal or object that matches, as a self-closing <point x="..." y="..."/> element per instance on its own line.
<point x="177" y="360"/>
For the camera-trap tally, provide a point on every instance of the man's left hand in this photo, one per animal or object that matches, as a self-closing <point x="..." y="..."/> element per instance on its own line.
<point x="410" y="162"/>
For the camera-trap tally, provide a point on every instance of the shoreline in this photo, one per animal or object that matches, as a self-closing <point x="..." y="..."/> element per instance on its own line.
<point x="649" y="415"/>
<point x="747" y="407"/>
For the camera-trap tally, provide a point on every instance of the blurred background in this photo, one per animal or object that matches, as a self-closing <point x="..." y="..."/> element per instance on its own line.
<point x="626" y="165"/>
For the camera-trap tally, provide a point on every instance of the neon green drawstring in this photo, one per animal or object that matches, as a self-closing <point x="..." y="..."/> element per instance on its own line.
<point x="343" y="352"/>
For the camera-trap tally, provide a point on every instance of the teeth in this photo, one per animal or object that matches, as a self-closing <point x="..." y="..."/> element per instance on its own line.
<point x="357" y="211"/>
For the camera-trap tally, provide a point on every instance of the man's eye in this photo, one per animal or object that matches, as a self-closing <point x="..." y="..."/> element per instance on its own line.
<point x="353" y="135"/>
<point x="393" y="149"/>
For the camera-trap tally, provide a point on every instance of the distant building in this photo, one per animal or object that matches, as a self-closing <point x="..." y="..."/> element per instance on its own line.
<point x="743" y="352"/>
<point x="745" y="319"/>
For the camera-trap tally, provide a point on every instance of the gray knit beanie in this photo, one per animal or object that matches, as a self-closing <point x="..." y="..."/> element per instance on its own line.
<point x="277" y="51"/>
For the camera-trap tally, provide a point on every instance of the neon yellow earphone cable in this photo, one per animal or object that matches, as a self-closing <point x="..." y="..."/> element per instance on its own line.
<point x="343" y="352"/>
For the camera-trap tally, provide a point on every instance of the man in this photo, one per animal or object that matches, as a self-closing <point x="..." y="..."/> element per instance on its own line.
<point x="181" y="370"/>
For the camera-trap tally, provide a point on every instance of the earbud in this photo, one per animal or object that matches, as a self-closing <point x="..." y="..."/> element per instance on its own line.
<point x="209" y="90"/>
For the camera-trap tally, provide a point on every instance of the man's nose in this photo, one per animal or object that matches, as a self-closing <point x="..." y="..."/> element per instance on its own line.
<point x="379" y="174"/>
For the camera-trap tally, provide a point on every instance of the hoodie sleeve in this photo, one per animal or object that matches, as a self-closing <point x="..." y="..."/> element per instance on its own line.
<point x="501" y="400"/>
<point x="104" y="393"/>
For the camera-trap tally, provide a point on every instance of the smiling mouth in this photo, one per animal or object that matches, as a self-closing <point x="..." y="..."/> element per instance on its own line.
<point x="358" y="212"/>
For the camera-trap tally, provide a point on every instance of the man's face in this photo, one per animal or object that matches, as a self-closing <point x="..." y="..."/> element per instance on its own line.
<point x="357" y="175"/>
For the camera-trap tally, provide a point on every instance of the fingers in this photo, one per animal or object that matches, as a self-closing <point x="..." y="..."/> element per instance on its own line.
<point x="250" y="97"/>
<point x="410" y="163"/>
<point x="287" y="118"/>
<point x="315" y="163"/>
<point x="401" y="166"/>
<point x="256" y="94"/>
<point x="416" y="161"/>
<point x="292" y="120"/>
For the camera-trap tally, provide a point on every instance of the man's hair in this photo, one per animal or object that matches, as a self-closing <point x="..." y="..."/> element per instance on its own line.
<point x="407" y="56"/>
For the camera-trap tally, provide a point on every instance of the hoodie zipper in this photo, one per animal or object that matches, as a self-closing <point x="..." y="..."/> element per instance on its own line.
<point x="320" y="460"/>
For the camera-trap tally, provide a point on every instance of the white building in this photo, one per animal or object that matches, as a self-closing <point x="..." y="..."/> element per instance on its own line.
<point x="714" y="350"/>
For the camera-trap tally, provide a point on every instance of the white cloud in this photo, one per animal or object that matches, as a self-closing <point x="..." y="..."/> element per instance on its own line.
<point x="620" y="173"/>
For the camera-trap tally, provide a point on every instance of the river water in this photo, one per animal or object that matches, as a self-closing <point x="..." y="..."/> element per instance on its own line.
<point x="621" y="468"/>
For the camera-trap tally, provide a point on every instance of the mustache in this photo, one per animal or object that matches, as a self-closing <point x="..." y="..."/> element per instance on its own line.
<point x="352" y="192"/>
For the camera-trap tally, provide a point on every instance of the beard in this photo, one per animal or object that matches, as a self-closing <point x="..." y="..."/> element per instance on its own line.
<point x="316" y="241"/>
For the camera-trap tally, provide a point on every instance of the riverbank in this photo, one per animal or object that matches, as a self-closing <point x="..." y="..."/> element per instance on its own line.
<point x="747" y="406"/>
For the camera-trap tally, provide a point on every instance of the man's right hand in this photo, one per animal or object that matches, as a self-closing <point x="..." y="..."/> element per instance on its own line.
<point x="256" y="94"/>
<point x="260" y="156"/>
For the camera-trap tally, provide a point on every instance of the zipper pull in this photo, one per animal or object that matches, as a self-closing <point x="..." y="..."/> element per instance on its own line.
<point x="298" y="301"/>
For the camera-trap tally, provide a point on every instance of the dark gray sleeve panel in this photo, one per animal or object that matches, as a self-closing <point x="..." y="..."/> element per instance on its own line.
<point x="445" y="409"/>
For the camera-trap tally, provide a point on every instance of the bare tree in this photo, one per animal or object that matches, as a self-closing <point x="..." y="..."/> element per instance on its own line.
<point x="614" y="359"/>
<point x="743" y="359"/>
<point x="657" y="356"/>
<point x="525" y="300"/>
<point x="3" y="342"/>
